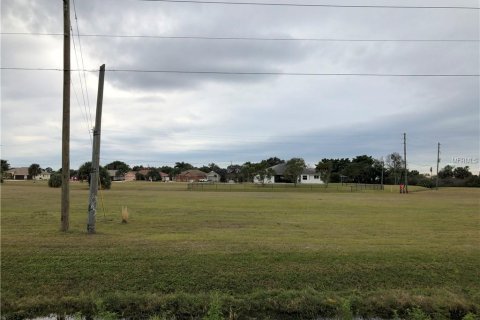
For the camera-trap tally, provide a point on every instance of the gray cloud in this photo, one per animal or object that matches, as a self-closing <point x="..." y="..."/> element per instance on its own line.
<point x="201" y="118"/>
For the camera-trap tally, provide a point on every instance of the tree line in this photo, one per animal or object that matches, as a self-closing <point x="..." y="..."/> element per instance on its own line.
<point x="360" y="169"/>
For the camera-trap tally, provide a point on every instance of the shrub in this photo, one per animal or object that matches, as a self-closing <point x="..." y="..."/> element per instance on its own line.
<point x="417" y="314"/>
<point x="473" y="181"/>
<point x="55" y="180"/>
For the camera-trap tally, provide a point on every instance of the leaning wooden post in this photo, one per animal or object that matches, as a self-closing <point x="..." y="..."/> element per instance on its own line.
<point x="94" y="174"/>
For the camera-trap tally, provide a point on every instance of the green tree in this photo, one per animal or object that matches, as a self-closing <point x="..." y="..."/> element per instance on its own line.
<point x="183" y="166"/>
<point x="462" y="172"/>
<point x="446" y="172"/>
<point x="55" y="180"/>
<point x="48" y="169"/>
<point x="5" y="167"/>
<point x="34" y="170"/>
<point x="337" y="167"/>
<point x="273" y="161"/>
<point x="234" y="172"/>
<point x="120" y="167"/>
<point x="247" y="171"/>
<point x="394" y="165"/>
<point x="261" y="171"/>
<point x="84" y="174"/>
<point x="294" y="168"/>
<point x="153" y="175"/>
<point x="139" y="176"/>
<point x="325" y="170"/>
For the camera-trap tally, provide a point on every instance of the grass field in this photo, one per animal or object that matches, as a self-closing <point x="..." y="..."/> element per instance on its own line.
<point x="277" y="255"/>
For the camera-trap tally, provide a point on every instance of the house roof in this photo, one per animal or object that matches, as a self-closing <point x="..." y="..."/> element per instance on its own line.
<point x="193" y="172"/>
<point x="143" y="171"/>
<point x="280" y="169"/>
<point x="212" y="173"/>
<point x="146" y="171"/>
<point x="22" y="171"/>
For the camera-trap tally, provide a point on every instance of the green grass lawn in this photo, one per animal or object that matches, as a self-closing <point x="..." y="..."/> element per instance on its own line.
<point x="246" y="254"/>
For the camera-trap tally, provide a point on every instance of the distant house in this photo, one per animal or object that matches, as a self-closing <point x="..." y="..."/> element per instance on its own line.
<point x="165" y="177"/>
<point x="191" y="176"/>
<point x="212" y="176"/>
<point x="44" y="175"/>
<point x="144" y="172"/>
<point x="309" y="175"/>
<point x="19" y="174"/>
<point x="130" y="176"/>
<point x="115" y="175"/>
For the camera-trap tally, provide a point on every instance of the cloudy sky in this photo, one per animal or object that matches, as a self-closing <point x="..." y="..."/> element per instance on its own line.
<point x="159" y="118"/>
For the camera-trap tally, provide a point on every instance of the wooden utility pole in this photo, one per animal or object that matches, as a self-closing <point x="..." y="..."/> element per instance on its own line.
<point x="405" y="160"/>
<point x="383" y="165"/>
<point x="94" y="174"/>
<point x="65" y="207"/>
<point x="438" y="163"/>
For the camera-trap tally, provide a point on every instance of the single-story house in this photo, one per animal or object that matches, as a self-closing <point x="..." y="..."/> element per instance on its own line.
<point x="144" y="172"/>
<point x="115" y="175"/>
<point x="19" y="174"/>
<point x="212" y="176"/>
<point x="165" y="177"/>
<point x="130" y="176"/>
<point x="44" y="175"/>
<point x="309" y="176"/>
<point x="191" y="176"/>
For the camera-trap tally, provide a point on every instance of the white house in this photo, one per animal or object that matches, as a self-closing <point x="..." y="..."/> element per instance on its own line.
<point x="44" y="175"/>
<point x="212" y="176"/>
<point x="308" y="176"/>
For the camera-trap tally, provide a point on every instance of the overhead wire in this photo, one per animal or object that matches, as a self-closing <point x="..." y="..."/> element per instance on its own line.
<point x="230" y="38"/>
<point x="254" y="73"/>
<point x="311" y="5"/>
<point x="84" y="116"/>
<point x="89" y="120"/>
<point x="81" y="56"/>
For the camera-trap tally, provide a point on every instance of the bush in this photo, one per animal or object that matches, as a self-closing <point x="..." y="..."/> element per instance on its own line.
<point x="473" y="181"/>
<point x="55" y="180"/>
<point x="105" y="180"/>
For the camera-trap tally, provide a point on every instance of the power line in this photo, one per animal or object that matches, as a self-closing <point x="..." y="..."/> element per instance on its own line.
<point x="84" y="114"/>
<point x="313" y="5"/>
<point x="253" y="73"/>
<point x="81" y="83"/>
<point x="237" y="38"/>
<point x="81" y="55"/>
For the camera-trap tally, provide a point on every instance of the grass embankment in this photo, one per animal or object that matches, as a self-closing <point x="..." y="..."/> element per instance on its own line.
<point x="254" y="254"/>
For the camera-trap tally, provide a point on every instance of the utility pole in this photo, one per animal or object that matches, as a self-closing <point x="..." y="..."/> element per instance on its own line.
<point x="382" y="172"/>
<point x="438" y="163"/>
<point x="94" y="174"/>
<point x="65" y="206"/>
<point x="405" y="160"/>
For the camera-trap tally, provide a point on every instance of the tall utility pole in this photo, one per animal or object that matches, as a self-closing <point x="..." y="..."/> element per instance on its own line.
<point x="383" y="164"/>
<point x="405" y="160"/>
<point x="94" y="174"/>
<point x="438" y="163"/>
<point x="65" y="207"/>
